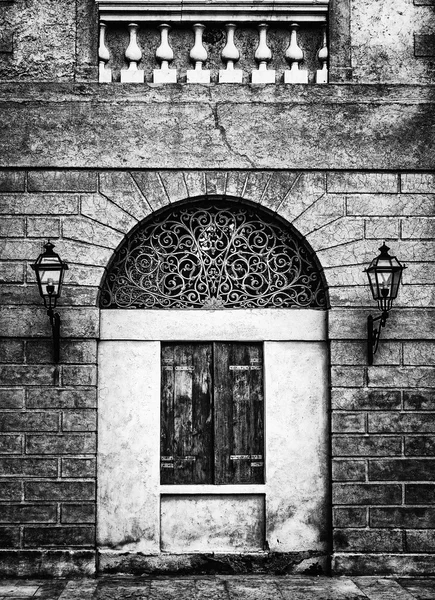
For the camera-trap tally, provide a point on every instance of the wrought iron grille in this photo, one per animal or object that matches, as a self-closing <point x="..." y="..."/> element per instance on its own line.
<point x="213" y="255"/>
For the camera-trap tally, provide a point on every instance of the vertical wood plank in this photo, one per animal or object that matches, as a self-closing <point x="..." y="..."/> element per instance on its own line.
<point x="167" y="414"/>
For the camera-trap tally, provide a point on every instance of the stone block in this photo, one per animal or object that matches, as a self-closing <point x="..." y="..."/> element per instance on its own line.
<point x="365" y="399"/>
<point x="419" y="493"/>
<point x="279" y="185"/>
<point x="256" y="185"/>
<point x="342" y="376"/>
<point x="401" y="423"/>
<point x="382" y="205"/>
<point x="83" y="275"/>
<point x="11" y="351"/>
<point x="84" y="443"/>
<point x="348" y="422"/>
<point x="12" y="181"/>
<point x="59" y="490"/>
<point x="419" y="353"/>
<point x="230" y="76"/>
<point x="62" y="181"/>
<point x="351" y="182"/>
<point x="174" y="185"/>
<point x="355" y="353"/>
<point x="420" y="296"/>
<point x="73" y="295"/>
<point x="78" y="467"/>
<point x="58" y="536"/>
<point x="409" y="517"/>
<point x="11" y="491"/>
<point x="340" y="231"/>
<point x="11" y="272"/>
<point x="43" y="227"/>
<point x="10" y="444"/>
<point x="420" y="540"/>
<point x="28" y="467"/>
<point x="29" y="421"/>
<point x="39" y="204"/>
<point x="11" y="249"/>
<point x="198" y="76"/>
<point x="22" y="513"/>
<point x="86" y="254"/>
<point x="424" y="45"/>
<point x="307" y="189"/>
<point x="11" y="398"/>
<point x="262" y="76"/>
<point x="9" y="537"/>
<point x="383" y="565"/>
<point x="215" y="183"/>
<point x="50" y="397"/>
<point x="79" y="420"/>
<point x="236" y="182"/>
<point x="357" y="540"/>
<point x="105" y="212"/>
<point x="373" y="445"/>
<point x="195" y="183"/>
<point x="418" y="228"/>
<point x="411" y="469"/>
<point x="382" y="228"/>
<point x="420" y="445"/>
<point x="366" y="494"/>
<point x="77" y="513"/>
<point x="123" y="191"/>
<point x="419" y="399"/>
<point x="350" y="517"/>
<point x="79" y="375"/>
<point x="348" y="470"/>
<point x="164" y="76"/>
<point x="401" y="376"/>
<point x="26" y="375"/>
<point x="47" y="563"/>
<point x="152" y="188"/>
<point x="33" y="322"/>
<point x="71" y="351"/>
<point x="418" y="183"/>
<point x="12" y="227"/>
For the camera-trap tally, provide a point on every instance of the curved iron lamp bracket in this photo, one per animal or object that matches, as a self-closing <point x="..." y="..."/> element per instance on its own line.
<point x="374" y="334"/>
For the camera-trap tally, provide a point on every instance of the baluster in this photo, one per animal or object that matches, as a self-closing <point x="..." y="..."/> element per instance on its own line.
<point x="263" y="55"/>
<point x="165" y="55"/>
<point x="198" y="55"/>
<point x="133" y="54"/>
<point x="104" y="74"/>
<point x="294" y="55"/>
<point x="230" y="55"/>
<point x="322" y="55"/>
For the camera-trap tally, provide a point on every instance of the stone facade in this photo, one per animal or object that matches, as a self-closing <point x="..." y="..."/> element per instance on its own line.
<point x="348" y="164"/>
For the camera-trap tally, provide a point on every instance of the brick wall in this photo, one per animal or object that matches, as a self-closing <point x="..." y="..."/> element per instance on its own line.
<point x="383" y="417"/>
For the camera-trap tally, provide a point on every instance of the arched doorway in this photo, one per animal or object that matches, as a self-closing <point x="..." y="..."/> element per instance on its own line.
<point x="213" y="388"/>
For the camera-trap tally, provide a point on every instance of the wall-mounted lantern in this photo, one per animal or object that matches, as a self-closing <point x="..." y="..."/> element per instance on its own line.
<point x="49" y="269"/>
<point x="384" y="273"/>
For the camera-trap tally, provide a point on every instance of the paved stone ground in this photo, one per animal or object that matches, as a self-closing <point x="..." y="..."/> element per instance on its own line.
<point x="222" y="588"/>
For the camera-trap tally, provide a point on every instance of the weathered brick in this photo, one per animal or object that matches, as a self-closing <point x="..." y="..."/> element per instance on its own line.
<point x="362" y="182"/>
<point x="320" y="231"/>
<point x="411" y="517"/>
<point x="71" y="351"/>
<point x="278" y="187"/>
<point x="79" y="375"/>
<point x="62" y="181"/>
<point x="123" y="191"/>
<point x="33" y="322"/>
<point x="383" y="205"/>
<point x="84" y="443"/>
<point x="401" y="376"/>
<point x="373" y="445"/>
<point x="9" y="537"/>
<point x="21" y="294"/>
<point x="28" y="467"/>
<point x="18" y="249"/>
<point x="60" y="398"/>
<point x="215" y="183"/>
<point x="174" y="184"/>
<point x="420" y="540"/>
<point x="401" y="423"/>
<point x="11" y="398"/>
<point x="83" y="275"/>
<point x="419" y="493"/>
<point x="28" y="513"/>
<point x="195" y="183"/>
<point x="152" y="188"/>
<point x="307" y="189"/>
<point x="418" y="228"/>
<point x="86" y="230"/>
<point x="10" y="444"/>
<point x="366" y="493"/>
<point x="43" y="227"/>
<point x="350" y="517"/>
<point x="78" y="513"/>
<point x="365" y="399"/>
<point x="419" y="399"/>
<point x="11" y="351"/>
<point x="79" y="420"/>
<point x="347" y="376"/>
<point x="58" y="536"/>
<point x="11" y="272"/>
<point x="357" y="540"/>
<point x="106" y="212"/>
<point x="348" y="275"/>
<point x="29" y="421"/>
<point x="59" y="490"/>
<point x="12" y="227"/>
<point x="382" y="228"/>
<point x="348" y="422"/>
<point x="422" y="273"/>
<point x="419" y="353"/>
<point x="12" y="181"/>
<point x="419" y="183"/>
<point x="73" y="295"/>
<point x="348" y="470"/>
<point x="11" y="490"/>
<point x="39" y="204"/>
<point x="402" y="470"/>
<point x="355" y="353"/>
<point x="78" y="467"/>
<point x="235" y="183"/>
<point x="420" y="445"/>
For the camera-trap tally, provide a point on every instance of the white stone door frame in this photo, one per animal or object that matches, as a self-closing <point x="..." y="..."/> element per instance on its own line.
<point x="296" y="422"/>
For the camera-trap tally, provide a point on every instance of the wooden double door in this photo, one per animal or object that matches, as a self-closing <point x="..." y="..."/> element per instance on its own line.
<point x="212" y="413"/>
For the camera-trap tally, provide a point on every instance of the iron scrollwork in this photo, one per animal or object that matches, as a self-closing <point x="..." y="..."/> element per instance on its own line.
<point x="213" y="256"/>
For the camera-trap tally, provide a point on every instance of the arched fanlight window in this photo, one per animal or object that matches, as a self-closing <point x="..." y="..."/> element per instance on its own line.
<point x="217" y="254"/>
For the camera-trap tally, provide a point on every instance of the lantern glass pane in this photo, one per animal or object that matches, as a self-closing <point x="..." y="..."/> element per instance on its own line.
<point x="50" y="272"/>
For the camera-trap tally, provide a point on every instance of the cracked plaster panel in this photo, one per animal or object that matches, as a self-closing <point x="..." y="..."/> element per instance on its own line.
<point x="44" y="34"/>
<point x="383" y="41"/>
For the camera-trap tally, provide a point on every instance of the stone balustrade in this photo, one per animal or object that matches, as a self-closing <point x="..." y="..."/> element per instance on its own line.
<point x="280" y="49"/>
